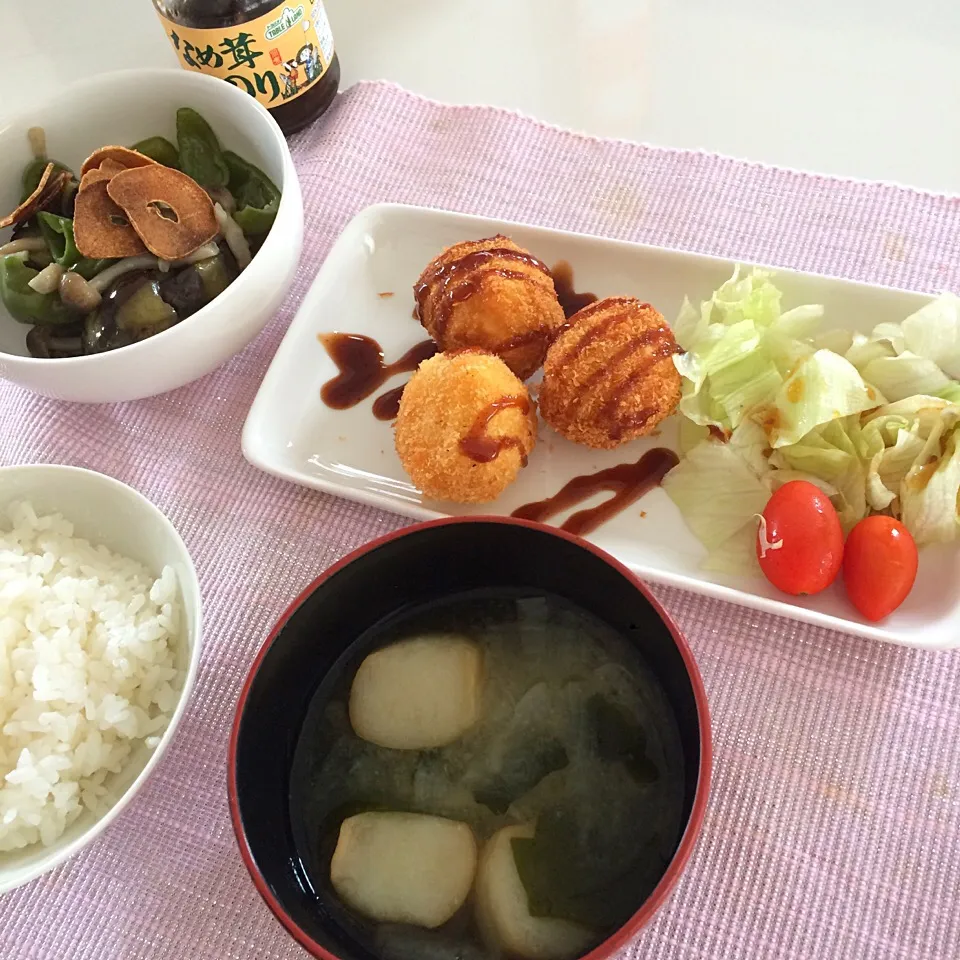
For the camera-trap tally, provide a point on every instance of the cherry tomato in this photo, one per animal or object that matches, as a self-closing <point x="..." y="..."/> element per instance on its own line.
<point x="879" y="566"/>
<point x="800" y="541"/>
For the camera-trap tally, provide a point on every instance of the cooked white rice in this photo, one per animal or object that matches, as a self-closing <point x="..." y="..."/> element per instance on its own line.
<point x="87" y="671"/>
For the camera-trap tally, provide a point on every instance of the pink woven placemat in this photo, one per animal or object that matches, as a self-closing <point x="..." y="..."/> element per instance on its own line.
<point x="834" y="826"/>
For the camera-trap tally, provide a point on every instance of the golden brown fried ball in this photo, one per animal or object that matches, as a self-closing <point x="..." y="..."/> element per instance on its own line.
<point x="610" y="377"/>
<point x="494" y="295"/>
<point x="465" y="427"/>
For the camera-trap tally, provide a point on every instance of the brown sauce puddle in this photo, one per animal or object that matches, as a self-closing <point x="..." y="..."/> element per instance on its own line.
<point x="479" y="446"/>
<point x="387" y="405"/>
<point x="363" y="371"/>
<point x="570" y="300"/>
<point x="628" y="482"/>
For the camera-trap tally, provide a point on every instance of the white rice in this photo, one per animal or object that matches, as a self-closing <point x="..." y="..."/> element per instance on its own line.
<point x="87" y="671"/>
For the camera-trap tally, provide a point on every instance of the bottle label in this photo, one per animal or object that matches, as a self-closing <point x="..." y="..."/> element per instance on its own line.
<point x="274" y="58"/>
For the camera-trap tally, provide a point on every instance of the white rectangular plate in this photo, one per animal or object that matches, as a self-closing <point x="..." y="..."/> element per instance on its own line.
<point x="292" y="434"/>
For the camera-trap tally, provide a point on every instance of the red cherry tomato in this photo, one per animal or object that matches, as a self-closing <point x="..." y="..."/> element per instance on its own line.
<point x="879" y="566"/>
<point x="800" y="541"/>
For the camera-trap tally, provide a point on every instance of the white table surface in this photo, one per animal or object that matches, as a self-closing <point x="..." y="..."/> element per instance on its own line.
<point x="861" y="88"/>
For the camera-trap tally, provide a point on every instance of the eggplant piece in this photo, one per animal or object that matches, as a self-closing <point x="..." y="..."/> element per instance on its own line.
<point x="184" y="291"/>
<point x="55" y="343"/>
<point x="193" y="287"/>
<point x="216" y="274"/>
<point x="132" y="310"/>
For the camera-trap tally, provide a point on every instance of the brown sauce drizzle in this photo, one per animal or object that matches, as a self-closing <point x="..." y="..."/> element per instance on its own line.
<point x="479" y="446"/>
<point x="573" y="350"/>
<point x="362" y="370"/>
<point x="628" y="482"/>
<point x="570" y="300"/>
<point x="608" y="412"/>
<point x="457" y="284"/>
<point x="387" y="405"/>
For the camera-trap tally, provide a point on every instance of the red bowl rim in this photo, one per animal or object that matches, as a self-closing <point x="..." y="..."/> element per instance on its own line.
<point x="617" y="940"/>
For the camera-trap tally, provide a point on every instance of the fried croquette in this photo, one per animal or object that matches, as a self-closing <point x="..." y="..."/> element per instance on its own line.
<point x="609" y="377"/>
<point x="494" y="295"/>
<point x="465" y="427"/>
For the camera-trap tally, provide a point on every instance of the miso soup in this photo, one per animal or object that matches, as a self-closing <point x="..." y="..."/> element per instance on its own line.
<point x="542" y="758"/>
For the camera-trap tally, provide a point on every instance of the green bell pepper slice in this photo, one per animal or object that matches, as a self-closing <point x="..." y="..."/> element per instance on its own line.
<point x="88" y="268"/>
<point x="58" y="234"/>
<point x="159" y="149"/>
<point x="258" y="198"/>
<point x="200" y="155"/>
<point x="26" y="305"/>
<point x="34" y="171"/>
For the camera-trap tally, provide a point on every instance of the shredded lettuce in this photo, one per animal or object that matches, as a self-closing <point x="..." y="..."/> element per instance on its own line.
<point x="929" y="496"/>
<point x="933" y="332"/>
<point x="716" y="491"/>
<point x="689" y="434"/>
<point x="825" y="387"/>
<point x="905" y="376"/>
<point x="737" y="554"/>
<point x="951" y="392"/>
<point x="830" y="453"/>
<point x="863" y="350"/>
<point x="874" y="421"/>
<point x="739" y="349"/>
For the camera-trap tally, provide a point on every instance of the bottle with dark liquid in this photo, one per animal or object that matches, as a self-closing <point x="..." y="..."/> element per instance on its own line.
<point x="281" y="53"/>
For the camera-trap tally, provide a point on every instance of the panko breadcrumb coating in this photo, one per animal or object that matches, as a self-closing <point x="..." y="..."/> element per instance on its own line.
<point x="610" y="378"/>
<point x="494" y="295"/>
<point x="465" y="428"/>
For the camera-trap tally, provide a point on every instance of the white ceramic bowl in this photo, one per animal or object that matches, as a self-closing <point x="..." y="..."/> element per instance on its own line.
<point x="104" y="510"/>
<point x="123" y="108"/>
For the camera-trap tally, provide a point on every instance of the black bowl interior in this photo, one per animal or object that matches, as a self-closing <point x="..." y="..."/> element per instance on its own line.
<point x="420" y="567"/>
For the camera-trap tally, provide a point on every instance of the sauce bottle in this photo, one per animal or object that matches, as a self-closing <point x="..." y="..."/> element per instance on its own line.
<point x="280" y="53"/>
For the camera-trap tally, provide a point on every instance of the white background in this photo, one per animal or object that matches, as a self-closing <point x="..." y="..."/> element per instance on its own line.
<point x="864" y="88"/>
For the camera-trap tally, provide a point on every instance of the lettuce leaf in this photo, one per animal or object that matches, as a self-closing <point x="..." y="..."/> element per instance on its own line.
<point x="874" y="421"/>
<point x="951" y="392"/>
<point x="831" y="453"/>
<point x="739" y="348"/>
<point x="933" y="332"/>
<point x="928" y="496"/>
<point x="926" y="412"/>
<point x="825" y="387"/>
<point x="737" y="555"/>
<point x="905" y="376"/>
<point x="898" y="459"/>
<point x="689" y="434"/>
<point x="863" y="350"/>
<point x="749" y="441"/>
<point x="716" y="491"/>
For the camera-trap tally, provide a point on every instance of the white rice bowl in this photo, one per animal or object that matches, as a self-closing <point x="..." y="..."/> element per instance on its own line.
<point x="88" y="671"/>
